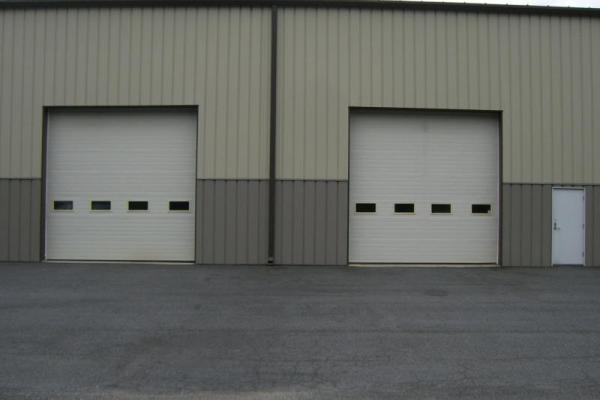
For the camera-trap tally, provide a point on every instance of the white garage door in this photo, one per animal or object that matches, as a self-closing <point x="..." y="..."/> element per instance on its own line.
<point x="423" y="188"/>
<point x="120" y="185"/>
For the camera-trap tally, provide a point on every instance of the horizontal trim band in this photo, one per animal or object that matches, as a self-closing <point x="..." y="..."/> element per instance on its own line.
<point x="329" y="180"/>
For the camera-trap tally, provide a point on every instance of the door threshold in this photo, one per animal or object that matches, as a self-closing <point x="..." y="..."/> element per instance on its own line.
<point x="428" y="265"/>
<point x="139" y="262"/>
<point x="569" y="265"/>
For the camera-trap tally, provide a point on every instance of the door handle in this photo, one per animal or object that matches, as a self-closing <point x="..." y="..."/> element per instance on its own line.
<point x="555" y="226"/>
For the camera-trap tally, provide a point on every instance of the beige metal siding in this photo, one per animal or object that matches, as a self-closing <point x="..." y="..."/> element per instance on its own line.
<point x="542" y="71"/>
<point x="217" y="58"/>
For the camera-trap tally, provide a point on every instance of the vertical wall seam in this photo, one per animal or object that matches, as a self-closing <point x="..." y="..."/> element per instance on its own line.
<point x="4" y="218"/>
<point x="589" y="233"/>
<point x="562" y="100"/>
<point x="2" y="45"/>
<point x="532" y="224"/>
<point x="590" y="224"/>
<point x="215" y="94"/>
<point x="541" y="229"/>
<point x="144" y="22"/>
<point x="226" y="92"/>
<point x="129" y="23"/>
<point x="593" y="226"/>
<point x="247" y="222"/>
<point x="581" y="112"/>
<point x="531" y="160"/>
<point x="594" y="77"/>
<point x="273" y="63"/>
<point x="4" y="88"/>
<point x="273" y="137"/>
<point x="238" y="100"/>
<point x="468" y="100"/>
<point x="22" y="133"/>
<point x="541" y="99"/>
<point x="236" y="214"/>
<point x="509" y="137"/>
<point x="337" y="221"/>
<point x="164" y="27"/>
<point x="119" y="43"/>
<point x="327" y="103"/>
<point x="572" y="112"/>
<point x="596" y="225"/>
<point x="446" y="46"/>
<point x="204" y="96"/>
<point x="314" y="224"/>
<point x="10" y="108"/>
<point x="175" y="71"/>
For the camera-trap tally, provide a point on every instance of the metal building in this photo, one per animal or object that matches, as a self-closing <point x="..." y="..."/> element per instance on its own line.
<point x="299" y="132"/>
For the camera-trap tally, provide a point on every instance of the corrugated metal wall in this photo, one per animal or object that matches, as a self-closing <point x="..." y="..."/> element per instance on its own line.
<point x="20" y="207"/>
<point x="231" y="221"/>
<point x="542" y="71"/>
<point x="311" y="222"/>
<point x="527" y="225"/>
<point x="592" y="226"/>
<point x="218" y="58"/>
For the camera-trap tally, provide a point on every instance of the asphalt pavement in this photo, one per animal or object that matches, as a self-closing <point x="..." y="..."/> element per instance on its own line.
<point x="109" y="331"/>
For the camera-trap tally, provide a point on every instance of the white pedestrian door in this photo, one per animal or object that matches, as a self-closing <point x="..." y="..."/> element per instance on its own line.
<point x="568" y="226"/>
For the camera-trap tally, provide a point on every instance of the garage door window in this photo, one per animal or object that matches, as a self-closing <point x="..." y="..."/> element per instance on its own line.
<point x="404" y="208"/>
<point x="481" y="209"/>
<point x="441" y="208"/>
<point x="138" y="206"/>
<point x="101" y="205"/>
<point x="179" y="206"/>
<point x="365" y="207"/>
<point x="63" y="205"/>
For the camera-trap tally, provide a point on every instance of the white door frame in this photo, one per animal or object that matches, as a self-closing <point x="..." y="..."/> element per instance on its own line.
<point x="552" y="221"/>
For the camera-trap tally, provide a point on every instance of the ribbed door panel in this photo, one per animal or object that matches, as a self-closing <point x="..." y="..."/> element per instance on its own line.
<point x="423" y="159"/>
<point x="121" y="156"/>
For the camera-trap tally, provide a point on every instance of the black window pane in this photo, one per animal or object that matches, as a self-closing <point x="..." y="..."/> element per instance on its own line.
<point x="138" y="206"/>
<point x="441" y="209"/>
<point x="100" y="205"/>
<point x="179" y="206"/>
<point x="481" y="208"/>
<point x="63" y="205"/>
<point x="365" y="207"/>
<point x="404" y="208"/>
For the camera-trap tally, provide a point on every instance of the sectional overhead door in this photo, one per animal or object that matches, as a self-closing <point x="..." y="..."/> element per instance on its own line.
<point x="120" y="184"/>
<point x="424" y="187"/>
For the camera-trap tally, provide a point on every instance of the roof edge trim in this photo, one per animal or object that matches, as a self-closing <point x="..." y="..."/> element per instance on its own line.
<point x="372" y="4"/>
